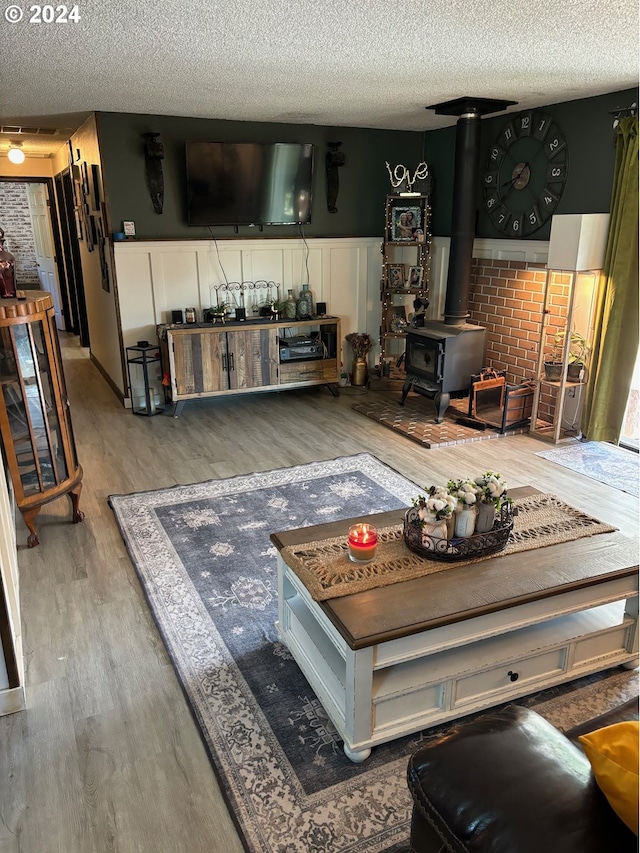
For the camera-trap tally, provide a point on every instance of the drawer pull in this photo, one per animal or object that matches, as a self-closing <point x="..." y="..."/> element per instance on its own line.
<point x="513" y="676"/>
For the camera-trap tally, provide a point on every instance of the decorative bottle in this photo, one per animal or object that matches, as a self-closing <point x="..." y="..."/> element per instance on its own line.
<point x="486" y="517"/>
<point x="7" y="271"/>
<point x="432" y="528"/>
<point x="289" y="307"/>
<point x="304" y="305"/>
<point x="465" y="521"/>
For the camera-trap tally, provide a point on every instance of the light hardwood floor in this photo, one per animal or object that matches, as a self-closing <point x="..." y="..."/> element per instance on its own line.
<point x="107" y="757"/>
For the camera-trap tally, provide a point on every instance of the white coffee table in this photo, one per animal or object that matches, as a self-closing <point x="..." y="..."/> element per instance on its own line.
<point x="394" y="660"/>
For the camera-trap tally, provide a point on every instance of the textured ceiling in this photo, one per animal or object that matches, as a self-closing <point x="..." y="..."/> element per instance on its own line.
<point x="358" y="63"/>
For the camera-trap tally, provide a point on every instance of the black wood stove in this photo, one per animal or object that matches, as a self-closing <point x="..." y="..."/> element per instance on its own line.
<point x="440" y="360"/>
<point x="441" y="356"/>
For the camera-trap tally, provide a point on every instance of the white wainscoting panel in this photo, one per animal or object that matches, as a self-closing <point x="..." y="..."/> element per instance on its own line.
<point x="156" y="277"/>
<point x="533" y="251"/>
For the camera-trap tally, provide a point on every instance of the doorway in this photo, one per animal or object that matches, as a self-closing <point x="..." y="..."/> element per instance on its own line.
<point x="38" y="203"/>
<point x="33" y="227"/>
<point x="77" y="307"/>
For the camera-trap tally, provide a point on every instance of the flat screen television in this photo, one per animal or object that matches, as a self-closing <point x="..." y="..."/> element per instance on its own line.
<point x="242" y="183"/>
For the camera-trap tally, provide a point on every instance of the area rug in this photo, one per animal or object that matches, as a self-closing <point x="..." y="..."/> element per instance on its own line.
<point x="611" y="465"/>
<point x="416" y="420"/>
<point x="208" y="568"/>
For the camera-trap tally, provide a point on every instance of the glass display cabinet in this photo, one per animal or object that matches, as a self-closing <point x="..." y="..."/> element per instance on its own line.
<point x="35" y="422"/>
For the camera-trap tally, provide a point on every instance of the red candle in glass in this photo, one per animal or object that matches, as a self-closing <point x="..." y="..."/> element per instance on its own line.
<point x="363" y="541"/>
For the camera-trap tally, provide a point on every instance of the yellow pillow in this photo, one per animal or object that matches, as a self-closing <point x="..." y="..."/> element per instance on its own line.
<point x="613" y="755"/>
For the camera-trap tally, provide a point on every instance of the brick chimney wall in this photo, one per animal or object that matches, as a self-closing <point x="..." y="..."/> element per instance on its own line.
<point x="506" y="297"/>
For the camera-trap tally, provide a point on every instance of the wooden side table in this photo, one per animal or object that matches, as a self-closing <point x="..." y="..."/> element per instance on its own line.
<point x="35" y="422"/>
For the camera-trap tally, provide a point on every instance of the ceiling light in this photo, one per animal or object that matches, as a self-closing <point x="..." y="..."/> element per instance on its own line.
<point x="16" y="154"/>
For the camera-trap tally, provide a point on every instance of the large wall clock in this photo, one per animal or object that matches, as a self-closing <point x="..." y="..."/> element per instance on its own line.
<point x="525" y="173"/>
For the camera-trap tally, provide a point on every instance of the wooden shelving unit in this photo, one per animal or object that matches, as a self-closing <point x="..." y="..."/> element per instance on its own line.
<point x="406" y="269"/>
<point x="562" y="389"/>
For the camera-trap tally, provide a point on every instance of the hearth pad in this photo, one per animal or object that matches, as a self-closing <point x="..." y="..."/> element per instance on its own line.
<point x="416" y="420"/>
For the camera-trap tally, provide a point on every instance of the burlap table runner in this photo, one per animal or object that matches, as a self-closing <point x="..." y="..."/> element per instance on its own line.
<point x="327" y="572"/>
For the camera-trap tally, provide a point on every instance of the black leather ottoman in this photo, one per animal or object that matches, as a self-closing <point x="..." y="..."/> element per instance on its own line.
<point x="509" y="782"/>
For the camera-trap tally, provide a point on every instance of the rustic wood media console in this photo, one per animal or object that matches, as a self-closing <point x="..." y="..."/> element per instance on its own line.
<point x="205" y="360"/>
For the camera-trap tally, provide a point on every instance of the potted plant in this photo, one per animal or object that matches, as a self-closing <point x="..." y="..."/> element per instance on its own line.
<point x="553" y="362"/>
<point x="466" y="494"/>
<point x="435" y="514"/>
<point x="579" y="349"/>
<point x="492" y="496"/>
<point x="578" y="356"/>
<point x="276" y="308"/>
<point x="216" y="313"/>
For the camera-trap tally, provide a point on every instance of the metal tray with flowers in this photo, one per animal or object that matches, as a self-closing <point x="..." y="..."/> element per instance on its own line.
<point x="452" y="550"/>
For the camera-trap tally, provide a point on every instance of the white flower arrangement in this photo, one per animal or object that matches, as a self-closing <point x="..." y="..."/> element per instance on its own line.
<point x="441" y="502"/>
<point x="492" y="489"/>
<point x="436" y="505"/>
<point x="464" y="491"/>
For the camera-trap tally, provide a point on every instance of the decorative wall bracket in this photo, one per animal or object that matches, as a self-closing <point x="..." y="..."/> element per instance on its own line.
<point x="334" y="159"/>
<point x="153" y="157"/>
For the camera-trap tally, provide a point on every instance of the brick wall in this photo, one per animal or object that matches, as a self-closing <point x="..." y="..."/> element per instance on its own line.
<point x="15" y="221"/>
<point x="506" y="297"/>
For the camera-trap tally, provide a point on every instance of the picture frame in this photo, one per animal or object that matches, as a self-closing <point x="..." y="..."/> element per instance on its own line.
<point x="104" y="265"/>
<point x="94" y="229"/>
<point x="85" y="179"/>
<point x="86" y="217"/>
<point x="395" y="276"/>
<point x="95" y="186"/>
<point x="407" y="223"/>
<point x="415" y="277"/>
<point x="76" y="214"/>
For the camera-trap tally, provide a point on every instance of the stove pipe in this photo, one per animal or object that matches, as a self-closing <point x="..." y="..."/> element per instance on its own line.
<point x="463" y="219"/>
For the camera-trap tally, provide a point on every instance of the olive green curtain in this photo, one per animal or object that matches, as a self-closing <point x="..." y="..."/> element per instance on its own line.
<point x="616" y="322"/>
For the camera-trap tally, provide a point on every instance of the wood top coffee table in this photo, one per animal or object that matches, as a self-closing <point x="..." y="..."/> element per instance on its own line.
<point x="394" y="660"/>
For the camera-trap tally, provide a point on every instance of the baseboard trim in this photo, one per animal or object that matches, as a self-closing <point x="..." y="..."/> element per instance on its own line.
<point x="107" y="379"/>
<point x="12" y="700"/>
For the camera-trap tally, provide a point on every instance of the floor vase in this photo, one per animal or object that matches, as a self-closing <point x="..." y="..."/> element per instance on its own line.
<point x="359" y="374"/>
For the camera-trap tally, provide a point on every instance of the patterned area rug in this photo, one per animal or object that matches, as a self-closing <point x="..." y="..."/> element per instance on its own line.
<point x="612" y="465"/>
<point x="208" y="568"/>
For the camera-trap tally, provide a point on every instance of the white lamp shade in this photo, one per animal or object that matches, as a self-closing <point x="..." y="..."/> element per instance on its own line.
<point x="16" y="155"/>
<point x="578" y="241"/>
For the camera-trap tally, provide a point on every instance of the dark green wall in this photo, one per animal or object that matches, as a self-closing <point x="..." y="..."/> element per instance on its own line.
<point x="439" y="151"/>
<point x="587" y="128"/>
<point x="364" y="181"/>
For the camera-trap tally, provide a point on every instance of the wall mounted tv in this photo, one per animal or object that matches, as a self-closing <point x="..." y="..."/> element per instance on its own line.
<point x="241" y="183"/>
